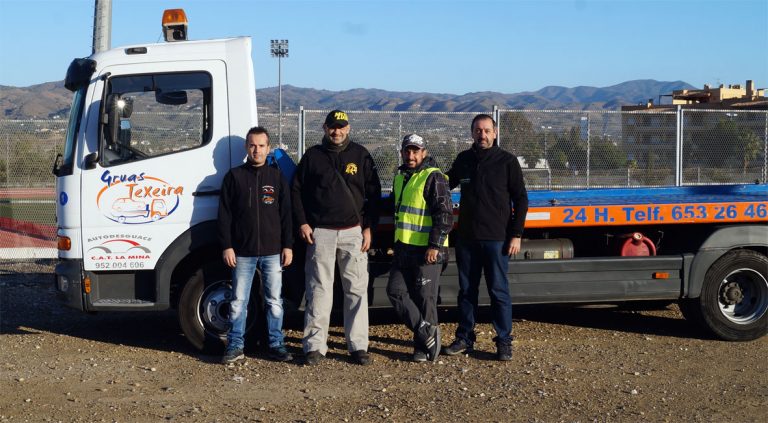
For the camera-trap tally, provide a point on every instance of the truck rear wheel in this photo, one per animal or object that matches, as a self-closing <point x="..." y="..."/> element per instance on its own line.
<point x="734" y="297"/>
<point x="204" y="308"/>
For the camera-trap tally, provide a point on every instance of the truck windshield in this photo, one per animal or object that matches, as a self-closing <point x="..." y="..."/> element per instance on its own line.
<point x="73" y="127"/>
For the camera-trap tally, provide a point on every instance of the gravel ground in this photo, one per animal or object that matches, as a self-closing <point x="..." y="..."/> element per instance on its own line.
<point x="570" y="364"/>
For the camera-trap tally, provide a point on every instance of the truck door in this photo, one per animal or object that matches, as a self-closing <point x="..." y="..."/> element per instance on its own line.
<point x="163" y="134"/>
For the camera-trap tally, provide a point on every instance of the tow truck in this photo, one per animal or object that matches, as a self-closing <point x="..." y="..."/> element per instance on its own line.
<point x="163" y="123"/>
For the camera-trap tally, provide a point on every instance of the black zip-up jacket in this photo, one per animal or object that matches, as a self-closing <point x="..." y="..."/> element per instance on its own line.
<point x="255" y="211"/>
<point x="320" y="199"/>
<point x="491" y="184"/>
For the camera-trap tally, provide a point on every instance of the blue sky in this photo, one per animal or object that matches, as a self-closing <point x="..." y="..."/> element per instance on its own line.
<point x="438" y="46"/>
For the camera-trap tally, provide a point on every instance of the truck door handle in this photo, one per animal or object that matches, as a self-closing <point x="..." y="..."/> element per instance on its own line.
<point x="206" y="193"/>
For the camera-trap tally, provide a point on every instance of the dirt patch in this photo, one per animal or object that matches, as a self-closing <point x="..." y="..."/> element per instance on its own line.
<point x="569" y="364"/>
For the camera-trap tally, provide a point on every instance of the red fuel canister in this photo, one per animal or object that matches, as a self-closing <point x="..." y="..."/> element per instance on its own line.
<point x="637" y="244"/>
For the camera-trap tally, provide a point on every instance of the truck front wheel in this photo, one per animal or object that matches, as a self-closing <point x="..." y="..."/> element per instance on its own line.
<point x="204" y="308"/>
<point x="734" y="297"/>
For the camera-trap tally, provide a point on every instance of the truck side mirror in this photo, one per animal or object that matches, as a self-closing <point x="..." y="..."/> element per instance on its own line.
<point x="118" y="112"/>
<point x="91" y="160"/>
<point x="124" y="136"/>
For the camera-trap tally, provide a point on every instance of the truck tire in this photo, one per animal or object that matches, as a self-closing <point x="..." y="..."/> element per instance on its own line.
<point x="204" y="308"/>
<point x="734" y="297"/>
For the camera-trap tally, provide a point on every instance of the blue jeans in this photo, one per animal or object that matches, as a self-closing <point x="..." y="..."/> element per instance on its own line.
<point x="474" y="258"/>
<point x="242" y="280"/>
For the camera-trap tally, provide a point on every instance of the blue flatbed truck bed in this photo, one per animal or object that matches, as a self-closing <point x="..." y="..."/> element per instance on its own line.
<point x="647" y="206"/>
<point x="708" y="251"/>
<point x="705" y="247"/>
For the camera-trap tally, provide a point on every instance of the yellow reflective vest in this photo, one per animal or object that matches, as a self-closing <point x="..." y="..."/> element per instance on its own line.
<point x="412" y="219"/>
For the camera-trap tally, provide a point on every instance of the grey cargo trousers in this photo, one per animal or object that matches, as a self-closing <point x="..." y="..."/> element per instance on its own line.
<point x="332" y="246"/>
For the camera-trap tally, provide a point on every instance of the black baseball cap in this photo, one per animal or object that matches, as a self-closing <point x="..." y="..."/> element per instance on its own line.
<point x="413" y="140"/>
<point x="336" y="119"/>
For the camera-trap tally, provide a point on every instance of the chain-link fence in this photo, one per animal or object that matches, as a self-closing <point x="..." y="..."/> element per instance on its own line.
<point x="558" y="149"/>
<point x="578" y="149"/>
<point x="27" y="208"/>
<point x="446" y="134"/>
<point x="583" y="149"/>
<point x="724" y="146"/>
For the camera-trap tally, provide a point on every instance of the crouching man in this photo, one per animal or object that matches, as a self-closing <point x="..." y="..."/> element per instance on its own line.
<point x="423" y="218"/>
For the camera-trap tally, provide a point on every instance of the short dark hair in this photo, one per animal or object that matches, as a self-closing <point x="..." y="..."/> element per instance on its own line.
<point x="256" y="130"/>
<point x="481" y="116"/>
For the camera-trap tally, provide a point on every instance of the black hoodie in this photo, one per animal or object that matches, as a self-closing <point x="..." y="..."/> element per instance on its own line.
<point x="319" y="196"/>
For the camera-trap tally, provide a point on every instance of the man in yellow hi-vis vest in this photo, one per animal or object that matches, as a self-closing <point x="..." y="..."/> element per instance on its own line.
<point x="423" y="218"/>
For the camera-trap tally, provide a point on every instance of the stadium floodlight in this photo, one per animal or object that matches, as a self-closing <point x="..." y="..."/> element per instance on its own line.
<point x="279" y="49"/>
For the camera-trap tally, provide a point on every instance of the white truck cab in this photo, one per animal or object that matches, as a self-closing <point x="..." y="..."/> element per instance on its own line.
<point x="153" y="130"/>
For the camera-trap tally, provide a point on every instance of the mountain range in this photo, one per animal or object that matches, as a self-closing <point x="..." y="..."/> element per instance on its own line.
<point x="52" y="100"/>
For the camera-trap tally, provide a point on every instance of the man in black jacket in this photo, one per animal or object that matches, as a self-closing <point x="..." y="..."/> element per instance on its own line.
<point x="255" y="232"/>
<point x="336" y="194"/>
<point x="492" y="213"/>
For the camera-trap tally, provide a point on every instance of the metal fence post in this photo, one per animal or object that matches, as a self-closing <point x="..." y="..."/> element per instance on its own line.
<point x="589" y="147"/>
<point x="498" y="124"/>
<point x="399" y="138"/>
<point x="300" y="146"/>
<point x="765" y="150"/>
<point x="7" y="161"/>
<point x="679" y="146"/>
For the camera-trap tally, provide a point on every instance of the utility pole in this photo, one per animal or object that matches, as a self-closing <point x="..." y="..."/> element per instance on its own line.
<point x="102" y="25"/>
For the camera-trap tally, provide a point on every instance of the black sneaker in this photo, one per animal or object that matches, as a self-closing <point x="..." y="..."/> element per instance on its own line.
<point x="279" y="354"/>
<point x="504" y="351"/>
<point x="232" y="355"/>
<point x="313" y="358"/>
<point x="419" y="356"/>
<point x="458" y="346"/>
<point x="361" y="357"/>
<point x="432" y="343"/>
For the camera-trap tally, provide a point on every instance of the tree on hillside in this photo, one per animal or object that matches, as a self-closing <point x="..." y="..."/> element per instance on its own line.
<point x="721" y="145"/>
<point x="750" y="144"/>
<point x="387" y="160"/>
<point x="569" y="150"/>
<point x="606" y="154"/>
<point x="517" y="135"/>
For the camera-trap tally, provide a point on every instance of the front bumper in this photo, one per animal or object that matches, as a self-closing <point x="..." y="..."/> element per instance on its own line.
<point x="68" y="283"/>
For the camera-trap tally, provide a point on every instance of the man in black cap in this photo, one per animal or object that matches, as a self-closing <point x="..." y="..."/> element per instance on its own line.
<point x="423" y="218"/>
<point x="336" y="194"/>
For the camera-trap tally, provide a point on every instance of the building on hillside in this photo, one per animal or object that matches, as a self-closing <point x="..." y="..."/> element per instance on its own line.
<point x="649" y="130"/>
<point x="732" y="97"/>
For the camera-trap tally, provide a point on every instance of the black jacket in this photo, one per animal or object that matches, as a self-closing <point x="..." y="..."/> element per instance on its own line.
<point x="320" y="199"/>
<point x="255" y="211"/>
<point x="491" y="184"/>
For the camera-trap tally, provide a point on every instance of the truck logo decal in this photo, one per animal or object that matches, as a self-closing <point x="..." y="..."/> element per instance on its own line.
<point x="127" y="248"/>
<point x="137" y="198"/>
<point x="119" y="253"/>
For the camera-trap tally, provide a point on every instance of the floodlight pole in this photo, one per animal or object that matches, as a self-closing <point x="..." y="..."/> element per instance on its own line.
<point x="102" y="25"/>
<point x="279" y="49"/>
